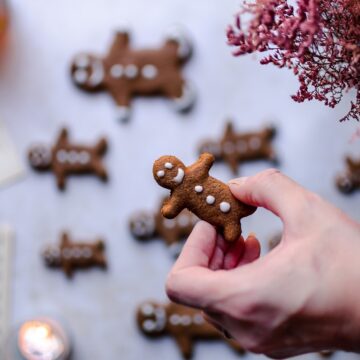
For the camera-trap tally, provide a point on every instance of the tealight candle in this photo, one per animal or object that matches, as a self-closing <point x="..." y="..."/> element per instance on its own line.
<point x="42" y="339"/>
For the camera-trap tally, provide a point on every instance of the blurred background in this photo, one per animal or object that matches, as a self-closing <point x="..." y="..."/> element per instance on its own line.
<point x="37" y="98"/>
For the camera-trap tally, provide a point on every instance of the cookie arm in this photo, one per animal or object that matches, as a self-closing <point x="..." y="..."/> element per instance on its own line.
<point x="121" y="42"/>
<point x="203" y="164"/>
<point x="172" y="207"/>
<point x="63" y="138"/>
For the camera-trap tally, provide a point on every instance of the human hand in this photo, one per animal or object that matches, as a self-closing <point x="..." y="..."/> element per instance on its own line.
<point x="303" y="296"/>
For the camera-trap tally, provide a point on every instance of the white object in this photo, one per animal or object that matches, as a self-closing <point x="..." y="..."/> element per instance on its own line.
<point x="6" y="240"/>
<point x="10" y="166"/>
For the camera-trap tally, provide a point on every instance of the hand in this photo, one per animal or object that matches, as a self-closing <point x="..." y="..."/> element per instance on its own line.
<point x="303" y="296"/>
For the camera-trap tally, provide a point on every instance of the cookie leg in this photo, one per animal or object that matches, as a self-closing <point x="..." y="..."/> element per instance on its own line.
<point x="182" y="94"/>
<point x="61" y="181"/>
<point x="123" y="102"/>
<point x="232" y="232"/>
<point x="101" y="171"/>
<point x="101" y="146"/>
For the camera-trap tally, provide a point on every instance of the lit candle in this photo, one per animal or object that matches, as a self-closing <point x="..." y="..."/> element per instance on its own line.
<point x="43" y="339"/>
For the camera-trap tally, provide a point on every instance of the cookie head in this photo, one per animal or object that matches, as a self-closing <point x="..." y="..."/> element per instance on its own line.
<point x="40" y="157"/>
<point x="142" y="225"/>
<point x="87" y="72"/>
<point x="52" y="257"/>
<point x="151" y="319"/>
<point x="212" y="147"/>
<point x="169" y="172"/>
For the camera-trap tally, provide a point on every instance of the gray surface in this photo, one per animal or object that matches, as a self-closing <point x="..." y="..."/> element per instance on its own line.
<point x="36" y="97"/>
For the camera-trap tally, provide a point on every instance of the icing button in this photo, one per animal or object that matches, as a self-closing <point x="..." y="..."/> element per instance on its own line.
<point x="210" y="199"/>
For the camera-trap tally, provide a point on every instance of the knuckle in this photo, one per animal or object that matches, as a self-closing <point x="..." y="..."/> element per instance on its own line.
<point x="171" y="286"/>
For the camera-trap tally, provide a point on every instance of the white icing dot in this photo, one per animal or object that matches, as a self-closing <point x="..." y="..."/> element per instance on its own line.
<point x="72" y="157"/>
<point x="149" y="71"/>
<point x="169" y="223"/>
<point x="229" y="147"/>
<point x="55" y="252"/>
<point x="117" y="71"/>
<point x="84" y="157"/>
<point x="131" y="71"/>
<point x="80" y="76"/>
<point x="76" y="253"/>
<point x="175" y="319"/>
<point x="183" y="220"/>
<point x="61" y="156"/>
<point x="199" y="188"/>
<point x="198" y="319"/>
<point x="185" y="320"/>
<point x="255" y="143"/>
<point x="147" y="309"/>
<point x="210" y="199"/>
<point x="160" y="173"/>
<point x="149" y="325"/>
<point x="82" y="61"/>
<point x="169" y="165"/>
<point x="87" y="253"/>
<point x="225" y="207"/>
<point x="66" y="253"/>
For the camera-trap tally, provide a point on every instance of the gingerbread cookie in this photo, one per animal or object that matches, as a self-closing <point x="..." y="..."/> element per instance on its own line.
<point x="126" y="73"/>
<point x="65" y="159"/>
<point x="208" y="198"/>
<point x="148" y="225"/>
<point x="349" y="180"/>
<point x="184" y="324"/>
<point x="70" y="256"/>
<point x="237" y="148"/>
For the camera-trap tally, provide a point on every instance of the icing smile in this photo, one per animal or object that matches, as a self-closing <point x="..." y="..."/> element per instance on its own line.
<point x="180" y="176"/>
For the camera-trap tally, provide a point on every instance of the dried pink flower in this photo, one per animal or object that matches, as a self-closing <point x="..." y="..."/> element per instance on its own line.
<point x="319" y="41"/>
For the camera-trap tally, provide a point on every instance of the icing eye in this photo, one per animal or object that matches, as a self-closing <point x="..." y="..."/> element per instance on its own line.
<point x="80" y="76"/>
<point x="149" y="325"/>
<point x="160" y="173"/>
<point x="169" y="165"/>
<point x="147" y="309"/>
<point x="82" y="61"/>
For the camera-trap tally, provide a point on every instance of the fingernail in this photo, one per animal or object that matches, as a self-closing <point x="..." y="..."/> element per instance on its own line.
<point x="252" y="234"/>
<point x="238" y="182"/>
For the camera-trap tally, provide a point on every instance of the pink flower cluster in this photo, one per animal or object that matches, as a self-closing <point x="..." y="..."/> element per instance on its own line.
<point x="319" y="41"/>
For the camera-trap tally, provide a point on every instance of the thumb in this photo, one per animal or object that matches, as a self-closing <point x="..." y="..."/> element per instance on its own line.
<point x="271" y="190"/>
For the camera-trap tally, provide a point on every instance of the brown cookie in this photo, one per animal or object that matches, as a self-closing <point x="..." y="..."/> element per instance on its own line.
<point x="184" y="324"/>
<point x="65" y="159"/>
<point x="208" y="198"/>
<point x="71" y="256"/>
<point x="126" y="73"/>
<point x="237" y="148"/>
<point x="148" y="225"/>
<point x="349" y="180"/>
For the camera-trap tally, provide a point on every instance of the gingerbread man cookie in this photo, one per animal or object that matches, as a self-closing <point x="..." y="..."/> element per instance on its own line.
<point x="126" y="73"/>
<point x="349" y="180"/>
<point x="208" y="198"/>
<point x="147" y="225"/>
<point x="184" y="324"/>
<point x="65" y="159"/>
<point x="71" y="256"/>
<point x="237" y="148"/>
